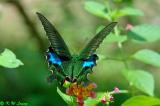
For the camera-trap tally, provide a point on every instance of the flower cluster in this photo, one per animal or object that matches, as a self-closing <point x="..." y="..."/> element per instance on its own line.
<point x="107" y="98"/>
<point x="81" y="92"/>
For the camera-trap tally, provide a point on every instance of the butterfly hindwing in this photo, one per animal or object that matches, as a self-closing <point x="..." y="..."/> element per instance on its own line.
<point x="90" y="62"/>
<point x="52" y="57"/>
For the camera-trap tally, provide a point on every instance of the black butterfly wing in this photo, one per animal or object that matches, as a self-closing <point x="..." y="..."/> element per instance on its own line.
<point x="57" y="43"/>
<point x="91" y="47"/>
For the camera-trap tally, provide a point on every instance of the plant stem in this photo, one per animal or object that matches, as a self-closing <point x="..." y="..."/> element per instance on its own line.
<point x="112" y="58"/>
<point x="107" y="104"/>
<point x="121" y="91"/>
<point x="109" y="10"/>
<point x="116" y="31"/>
<point x="120" y="46"/>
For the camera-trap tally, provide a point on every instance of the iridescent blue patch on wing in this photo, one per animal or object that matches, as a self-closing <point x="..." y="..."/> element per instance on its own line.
<point x="88" y="63"/>
<point x="53" y="59"/>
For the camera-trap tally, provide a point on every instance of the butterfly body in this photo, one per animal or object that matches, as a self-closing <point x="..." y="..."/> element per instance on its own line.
<point x="63" y="65"/>
<point x="72" y="69"/>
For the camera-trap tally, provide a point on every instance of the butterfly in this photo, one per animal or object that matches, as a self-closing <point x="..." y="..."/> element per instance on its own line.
<point x="67" y="67"/>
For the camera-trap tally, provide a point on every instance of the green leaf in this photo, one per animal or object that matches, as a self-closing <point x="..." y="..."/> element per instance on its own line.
<point x="118" y="1"/>
<point x="68" y="99"/>
<point x="96" y="8"/>
<point x="145" y="33"/>
<point x="148" y="56"/>
<point x="142" y="101"/>
<point x="8" y="59"/>
<point x="127" y="11"/>
<point x="113" y="38"/>
<point x="99" y="96"/>
<point x="94" y="101"/>
<point x="142" y="80"/>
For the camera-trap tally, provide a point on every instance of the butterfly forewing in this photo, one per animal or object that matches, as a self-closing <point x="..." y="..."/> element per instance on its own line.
<point x="57" y="43"/>
<point x="96" y="41"/>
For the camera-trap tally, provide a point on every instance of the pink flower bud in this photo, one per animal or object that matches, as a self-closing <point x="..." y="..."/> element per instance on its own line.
<point x="116" y="90"/>
<point x="111" y="98"/>
<point x="103" y="100"/>
<point x="129" y="27"/>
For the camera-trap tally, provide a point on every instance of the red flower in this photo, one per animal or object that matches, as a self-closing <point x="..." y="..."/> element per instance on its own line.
<point x="111" y="98"/>
<point x="92" y="94"/>
<point x="79" y="101"/>
<point x="81" y="92"/>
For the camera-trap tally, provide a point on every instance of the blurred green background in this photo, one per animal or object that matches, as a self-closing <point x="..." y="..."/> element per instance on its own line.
<point x="22" y="32"/>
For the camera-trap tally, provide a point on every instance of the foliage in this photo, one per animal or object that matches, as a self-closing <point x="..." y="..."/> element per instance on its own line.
<point x="68" y="99"/>
<point x="148" y="56"/>
<point x="8" y="59"/>
<point x="138" y="78"/>
<point x="142" y="101"/>
<point x="145" y="33"/>
<point x="135" y="46"/>
<point x="142" y="80"/>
